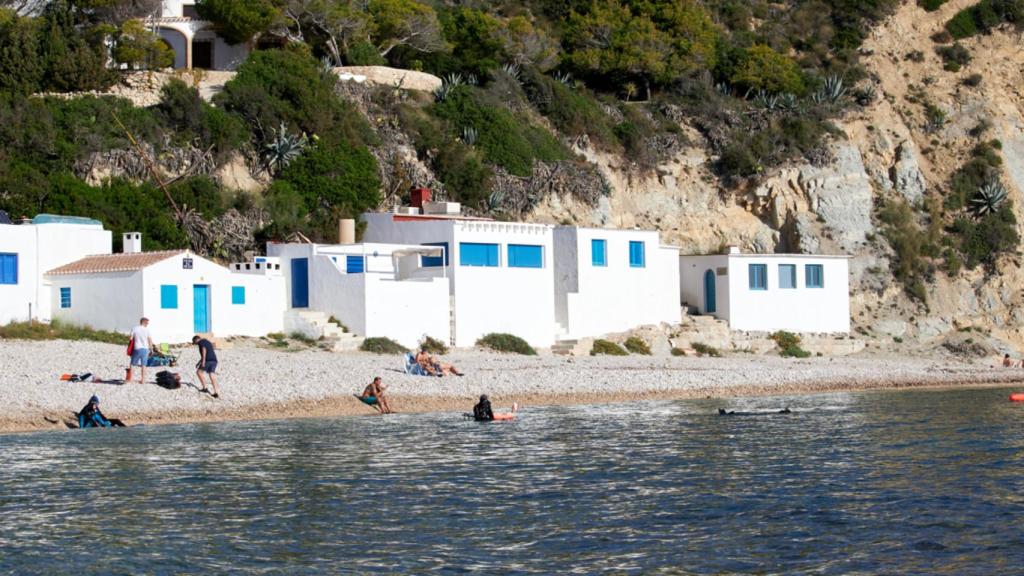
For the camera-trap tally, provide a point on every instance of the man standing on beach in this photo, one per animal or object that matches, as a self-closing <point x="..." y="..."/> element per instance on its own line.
<point x="207" y="363"/>
<point x="142" y="343"/>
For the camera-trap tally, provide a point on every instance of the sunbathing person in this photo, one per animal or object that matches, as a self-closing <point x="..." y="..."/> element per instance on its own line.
<point x="435" y="367"/>
<point x="91" y="417"/>
<point x="1007" y="362"/>
<point x="373" y="395"/>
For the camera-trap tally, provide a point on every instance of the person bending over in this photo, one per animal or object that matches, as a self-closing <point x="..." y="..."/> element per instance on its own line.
<point x="207" y="364"/>
<point x="373" y="395"/>
<point x="91" y="417"/>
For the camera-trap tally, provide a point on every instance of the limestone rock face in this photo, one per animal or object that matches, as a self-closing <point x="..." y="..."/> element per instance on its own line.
<point x="841" y="194"/>
<point x="906" y="174"/>
<point x="391" y="77"/>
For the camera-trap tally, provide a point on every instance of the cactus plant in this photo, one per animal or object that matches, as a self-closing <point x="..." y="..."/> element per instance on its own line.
<point x="282" y="148"/>
<point x="831" y="91"/>
<point x="988" y="198"/>
<point x="767" y="102"/>
<point x="469" y="135"/>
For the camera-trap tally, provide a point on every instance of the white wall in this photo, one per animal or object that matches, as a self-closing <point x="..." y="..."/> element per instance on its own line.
<point x="178" y="43"/>
<point x="109" y="301"/>
<point x="40" y="248"/>
<point x="691" y="283"/>
<point x="802" y="309"/>
<point x="615" y="297"/>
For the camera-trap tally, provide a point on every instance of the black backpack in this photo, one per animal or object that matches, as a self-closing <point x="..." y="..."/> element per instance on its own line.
<point x="167" y="380"/>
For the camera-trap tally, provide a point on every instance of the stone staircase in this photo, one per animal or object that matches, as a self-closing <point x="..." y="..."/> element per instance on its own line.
<point x="566" y="346"/>
<point x="318" y="326"/>
<point x="706" y="330"/>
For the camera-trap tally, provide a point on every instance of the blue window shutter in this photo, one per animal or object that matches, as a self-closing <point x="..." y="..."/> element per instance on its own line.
<point x="168" y="296"/>
<point x="598" y="253"/>
<point x="787" y="275"/>
<point x="814" y="276"/>
<point x="238" y="294"/>
<point x="636" y="254"/>
<point x="758" y="276"/>
<point x="355" y="264"/>
<point x="65" y="297"/>
<point x="525" y="256"/>
<point x="8" y="268"/>
<point x="435" y="261"/>
<point x="474" y="254"/>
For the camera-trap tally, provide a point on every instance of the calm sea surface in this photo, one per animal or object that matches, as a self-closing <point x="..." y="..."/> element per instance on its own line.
<point x="921" y="482"/>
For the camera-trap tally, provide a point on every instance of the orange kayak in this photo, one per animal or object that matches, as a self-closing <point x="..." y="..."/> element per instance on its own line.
<point x="1017" y="397"/>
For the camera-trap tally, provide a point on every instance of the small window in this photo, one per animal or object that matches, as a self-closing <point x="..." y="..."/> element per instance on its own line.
<point x="190" y="11"/>
<point x="598" y="252"/>
<point x="814" y="276"/>
<point x="260" y="260"/>
<point x="474" y="254"/>
<point x="636" y="254"/>
<point x="168" y="296"/>
<point x="355" y="264"/>
<point x="787" y="275"/>
<point x="435" y="261"/>
<point x="525" y="256"/>
<point x="758" y="276"/>
<point x="8" y="268"/>
<point x="65" y="297"/>
<point x="238" y="294"/>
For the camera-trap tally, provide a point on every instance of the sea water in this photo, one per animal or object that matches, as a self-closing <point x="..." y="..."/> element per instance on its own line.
<point x="915" y="482"/>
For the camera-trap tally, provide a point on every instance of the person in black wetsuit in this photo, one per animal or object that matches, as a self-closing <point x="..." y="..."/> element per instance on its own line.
<point x="482" y="411"/>
<point x="91" y="417"/>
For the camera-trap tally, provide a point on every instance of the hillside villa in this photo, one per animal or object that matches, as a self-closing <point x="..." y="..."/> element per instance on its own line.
<point x="194" y="41"/>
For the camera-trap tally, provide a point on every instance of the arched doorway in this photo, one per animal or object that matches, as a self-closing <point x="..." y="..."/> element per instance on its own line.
<point x="709" y="292"/>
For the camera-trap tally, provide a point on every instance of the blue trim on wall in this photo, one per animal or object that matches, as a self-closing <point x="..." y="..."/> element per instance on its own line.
<point x="814" y="276"/>
<point x="637" y="258"/>
<point x="598" y="252"/>
<point x="758" y="276"/>
<point x="238" y="294"/>
<point x="65" y="297"/>
<point x="525" y="256"/>
<point x="435" y="261"/>
<point x="787" y="276"/>
<point x="355" y="264"/>
<point x="169" y="296"/>
<point x="8" y="268"/>
<point x="476" y="254"/>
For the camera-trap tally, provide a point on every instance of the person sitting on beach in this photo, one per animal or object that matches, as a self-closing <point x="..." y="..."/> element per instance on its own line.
<point x="91" y="417"/>
<point x="482" y="412"/>
<point x="1007" y="363"/>
<point x="373" y="395"/>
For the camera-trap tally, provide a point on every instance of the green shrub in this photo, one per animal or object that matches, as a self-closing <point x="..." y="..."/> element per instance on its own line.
<point x="931" y="5"/>
<point x="973" y="80"/>
<point x="678" y="352"/>
<point x="962" y="25"/>
<point x="789" y="345"/>
<point x="953" y="56"/>
<point x="607" y="348"/>
<point x="911" y="245"/>
<point x="238" y="21"/>
<point x="762" y="68"/>
<point x="364" y="54"/>
<point x="183" y="110"/>
<point x="506" y="140"/>
<point x="637" y="345"/>
<point x="433" y="345"/>
<point x="300" y="337"/>
<point x="574" y="111"/>
<point x="705" y="350"/>
<point x="984" y="16"/>
<point x="380" y="345"/>
<point x="506" y="343"/>
<point x="58" y="330"/>
<point x="983" y="167"/>
<point x="983" y="240"/>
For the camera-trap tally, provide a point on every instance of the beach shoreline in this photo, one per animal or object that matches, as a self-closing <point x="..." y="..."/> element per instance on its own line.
<point x="263" y="384"/>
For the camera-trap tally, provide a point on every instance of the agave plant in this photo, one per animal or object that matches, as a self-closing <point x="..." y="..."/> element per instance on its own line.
<point x="723" y="89"/>
<point x="512" y="69"/>
<point x="494" y="200"/>
<point x="831" y="91"/>
<point x="469" y="135"/>
<point x="326" y="65"/>
<point x="472" y="80"/>
<point x="789" y="103"/>
<point x="448" y="83"/>
<point x="564" y="78"/>
<point x="283" y="148"/>
<point x="988" y="198"/>
<point x="767" y="101"/>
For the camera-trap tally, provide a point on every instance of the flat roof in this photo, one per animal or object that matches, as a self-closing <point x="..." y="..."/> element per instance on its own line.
<point x="773" y="255"/>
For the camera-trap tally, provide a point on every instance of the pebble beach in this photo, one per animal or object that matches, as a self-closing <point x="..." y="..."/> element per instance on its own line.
<point x="261" y="383"/>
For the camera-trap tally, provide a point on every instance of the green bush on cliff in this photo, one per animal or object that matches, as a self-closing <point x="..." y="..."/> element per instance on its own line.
<point x="500" y="342"/>
<point x="607" y="348"/>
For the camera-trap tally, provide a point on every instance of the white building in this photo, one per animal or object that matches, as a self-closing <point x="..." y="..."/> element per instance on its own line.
<point x="28" y="250"/>
<point x="193" y="40"/>
<point x="613" y="280"/>
<point x="181" y="293"/>
<point x="373" y="289"/>
<point x="769" y="292"/>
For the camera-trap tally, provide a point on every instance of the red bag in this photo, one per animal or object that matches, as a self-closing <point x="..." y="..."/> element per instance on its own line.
<point x="131" y="345"/>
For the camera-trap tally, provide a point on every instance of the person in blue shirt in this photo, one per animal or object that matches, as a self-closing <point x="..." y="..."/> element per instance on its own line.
<point x="207" y="364"/>
<point x="91" y="417"/>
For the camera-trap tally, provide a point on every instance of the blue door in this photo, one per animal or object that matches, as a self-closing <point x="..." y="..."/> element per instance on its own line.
<point x="300" y="283"/>
<point x="709" y="292"/>
<point x="201" y="308"/>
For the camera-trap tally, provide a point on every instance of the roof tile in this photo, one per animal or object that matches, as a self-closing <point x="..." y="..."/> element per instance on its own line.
<point x="114" y="263"/>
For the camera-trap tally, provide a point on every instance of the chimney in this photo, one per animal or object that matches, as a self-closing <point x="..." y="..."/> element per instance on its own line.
<point x="131" y="243"/>
<point x="347" y="231"/>
<point x="419" y="197"/>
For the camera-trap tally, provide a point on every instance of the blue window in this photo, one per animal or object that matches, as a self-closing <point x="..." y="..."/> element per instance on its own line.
<point x="238" y="294"/>
<point x="636" y="254"/>
<point x="355" y="264"/>
<point x="758" y="276"/>
<point x="260" y="259"/>
<point x="435" y="261"/>
<point x="168" y="296"/>
<point x="525" y="256"/>
<point x="814" y="276"/>
<point x="8" y="268"/>
<point x="598" y="253"/>
<point x="65" y="297"/>
<point x="474" y="254"/>
<point x="787" y="275"/>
